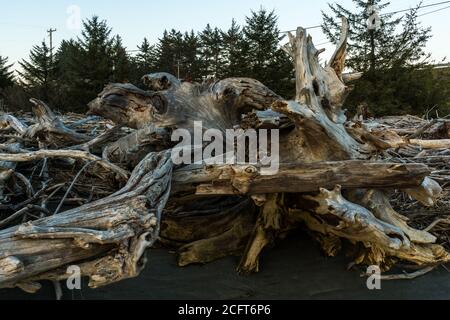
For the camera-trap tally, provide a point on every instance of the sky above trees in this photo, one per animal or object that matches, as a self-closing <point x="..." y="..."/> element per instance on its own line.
<point x="25" y="22"/>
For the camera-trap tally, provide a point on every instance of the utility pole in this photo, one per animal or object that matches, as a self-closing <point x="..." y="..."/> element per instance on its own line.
<point x="50" y="32"/>
<point x="372" y="30"/>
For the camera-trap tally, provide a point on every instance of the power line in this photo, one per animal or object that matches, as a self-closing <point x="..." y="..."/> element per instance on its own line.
<point x="427" y="13"/>
<point x="421" y="7"/>
<point x="394" y="12"/>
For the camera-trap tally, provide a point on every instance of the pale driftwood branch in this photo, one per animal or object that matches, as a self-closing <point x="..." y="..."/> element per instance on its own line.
<point x="50" y="130"/>
<point x="431" y="144"/>
<point x="406" y="276"/>
<point x="436" y="223"/>
<point x="72" y="154"/>
<point x="8" y="121"/>
<point x="427" y="193"/>
<point x="337" y="61"/>
<point x="357" y="224"/>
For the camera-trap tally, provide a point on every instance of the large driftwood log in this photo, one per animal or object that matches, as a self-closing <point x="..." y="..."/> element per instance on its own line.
<point x="210" y="211"/>
<point x="109" y="236"/>
<point x="297" y="178"/>
<point x="219" y="105"/>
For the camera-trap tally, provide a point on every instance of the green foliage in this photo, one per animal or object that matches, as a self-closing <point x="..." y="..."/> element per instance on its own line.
<point x="121" y="63"/>
<point x="236" y="51"/>
<point x="398" y="76"/>
<point x="267" y="62"/>
<point x="82" y="67"/>
<point x="146" y="59"/>
<point x="6" y="74"/>
<point x="87" y="64"/>
<point x="38" y="72"/>
<point x="212" y="52"/>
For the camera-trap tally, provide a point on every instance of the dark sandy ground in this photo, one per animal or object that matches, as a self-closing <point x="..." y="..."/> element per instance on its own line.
<point x="295" y="269"/>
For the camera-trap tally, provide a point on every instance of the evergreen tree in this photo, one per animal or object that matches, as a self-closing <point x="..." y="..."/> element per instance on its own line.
<point x="96" y="59"/>
<point x="6" y="74"/>
<point x="366" y="46"/>
<point x="38" y="73"/>
<point x="70" y="87"/>
<point x="267" y="62"/>
<point x="391" y="56"/>
<point x="146" y="58"/>
<point x="236" y="51"/>
<point x="66" y="59"/>
<point x="170" y="52"/>
<point x="121" y="61"/>
<point x="86" y="65"/>
<point x="211" y="52"/>
<point x="192" y="65"/>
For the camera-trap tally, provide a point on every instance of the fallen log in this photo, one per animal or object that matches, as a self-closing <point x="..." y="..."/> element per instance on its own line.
<point x="298" y="178"/>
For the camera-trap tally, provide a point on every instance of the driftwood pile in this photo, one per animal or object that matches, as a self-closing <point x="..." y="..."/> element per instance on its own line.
<point x="97" y="191"/>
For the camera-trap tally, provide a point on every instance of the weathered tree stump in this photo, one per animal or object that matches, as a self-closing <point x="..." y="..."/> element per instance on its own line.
<point x="330" y="179"/>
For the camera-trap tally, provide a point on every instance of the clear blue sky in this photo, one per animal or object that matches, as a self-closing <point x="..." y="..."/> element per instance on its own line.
<point x="24" y="22"/>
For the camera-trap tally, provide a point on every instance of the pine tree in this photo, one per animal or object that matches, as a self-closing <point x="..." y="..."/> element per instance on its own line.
<point x="38" y="73"/>
<point x="121" y="61"/>
<point x="66" y="59"/>
<point x="262" y="34"/>
<point x="391" y="56"/>
<point x="6" y="74"/>
<point x="372" y="48"/>
<point x="192" y="65"/>
<point x="87" y="64"/>
<point x="146" y="58"/>
<point x="95" y="64"/>
<point x="211" y="52"/>
<point x="236" y="51"/>
<point x="170" y="52"/>
<point x="267" y="62"/>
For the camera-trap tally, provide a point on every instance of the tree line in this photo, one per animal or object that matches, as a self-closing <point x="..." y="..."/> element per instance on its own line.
<point x="80" y="68"/>
<point x="398" y="77"/>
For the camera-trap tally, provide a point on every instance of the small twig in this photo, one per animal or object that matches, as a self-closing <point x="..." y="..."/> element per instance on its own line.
<point x="36" y="196"/>
<point x="26" y="182"/>
<point x="423" y="129"/>
<point x="20" y="213"/>
<point x="13" y="217"/>
<point x="44" y="168"/>
<point x="408" y="276"/>
<point x="437" y="222"/>
<point x="57" y="189"/>
<point x="405" y="276"/>
<point x="72" y="185"/>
